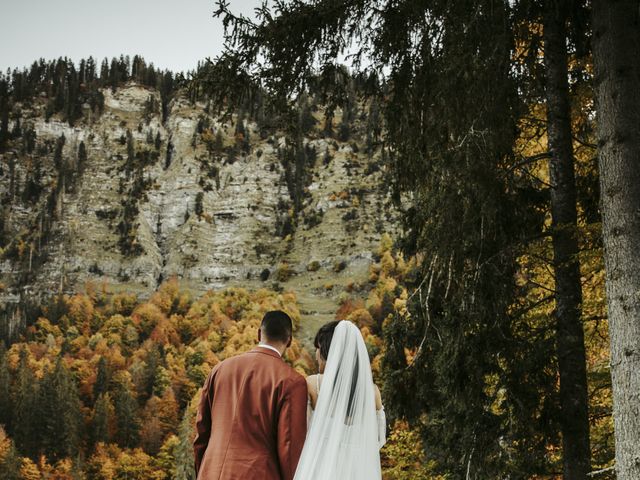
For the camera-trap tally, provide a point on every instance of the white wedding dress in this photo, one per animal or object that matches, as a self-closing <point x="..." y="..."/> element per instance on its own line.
<point x="346" y="432"/>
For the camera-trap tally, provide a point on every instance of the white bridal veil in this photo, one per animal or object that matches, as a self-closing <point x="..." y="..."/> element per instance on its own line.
<point x="342" y="441"/>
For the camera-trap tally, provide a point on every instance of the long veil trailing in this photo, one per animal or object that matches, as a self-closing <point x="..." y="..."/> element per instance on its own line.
<point x="342" y="442"/>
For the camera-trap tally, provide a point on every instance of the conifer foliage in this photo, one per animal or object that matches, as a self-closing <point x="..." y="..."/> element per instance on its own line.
<point x="73" y="89"/>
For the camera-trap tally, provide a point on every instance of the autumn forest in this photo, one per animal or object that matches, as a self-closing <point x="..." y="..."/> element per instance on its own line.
<point x="501" y="311"/>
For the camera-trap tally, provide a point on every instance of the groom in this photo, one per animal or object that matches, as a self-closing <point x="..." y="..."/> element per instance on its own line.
<point x="251" y="421"/>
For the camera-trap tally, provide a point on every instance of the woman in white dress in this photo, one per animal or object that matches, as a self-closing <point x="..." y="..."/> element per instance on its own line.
<point x="347" y="425"/>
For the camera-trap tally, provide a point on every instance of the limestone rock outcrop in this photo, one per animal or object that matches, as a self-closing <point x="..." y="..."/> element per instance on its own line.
<point x="147" y="200"/>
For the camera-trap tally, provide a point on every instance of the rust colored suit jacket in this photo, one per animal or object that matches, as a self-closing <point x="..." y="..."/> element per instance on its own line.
<point x="251" y="421"/>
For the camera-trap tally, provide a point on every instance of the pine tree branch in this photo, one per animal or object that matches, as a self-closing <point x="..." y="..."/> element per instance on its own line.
<point x="534" y="305"/>
<point x="529" y="160"/>
<point x="543" y="287"/>
<point x="584" y="143"/>
<point x="538" y="179"/>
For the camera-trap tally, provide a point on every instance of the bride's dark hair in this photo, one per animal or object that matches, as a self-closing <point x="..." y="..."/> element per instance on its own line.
<point x="324" y="337"/>
<point x="323" y="342"/>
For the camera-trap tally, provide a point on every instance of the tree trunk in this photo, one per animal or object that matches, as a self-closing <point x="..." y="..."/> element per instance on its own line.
<point x="616" y="44"/>
<point x="568" y="296"/>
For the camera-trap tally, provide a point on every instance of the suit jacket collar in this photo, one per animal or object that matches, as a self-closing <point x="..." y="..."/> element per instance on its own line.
<point x="266" y="351"/>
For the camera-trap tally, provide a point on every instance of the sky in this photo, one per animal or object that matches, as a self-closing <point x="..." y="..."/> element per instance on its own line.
<point x="173" y="34"/>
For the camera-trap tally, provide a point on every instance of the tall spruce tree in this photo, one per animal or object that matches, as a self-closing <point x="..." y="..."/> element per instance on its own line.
<point x="25" y="401"/>
<point x="102" y="378"/>
<point x="568" y="289"/>
<point x="184" y="465"/>
<point x="60" y="406"/>
<point x="100" y="422"/>
<point x="616" y="49"/>
<point x="127" y="419"/>
<point x="152" y="362"/>
<point x="82" y="157"/>
<point x="4" y="113"/>
<point x="450" y="107"/>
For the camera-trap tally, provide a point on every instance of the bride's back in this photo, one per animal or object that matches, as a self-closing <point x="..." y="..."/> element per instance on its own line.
<point x="343" y="437"/>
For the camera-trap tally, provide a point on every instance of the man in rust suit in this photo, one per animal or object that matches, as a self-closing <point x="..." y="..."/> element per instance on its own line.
<point x="251" y="421"/>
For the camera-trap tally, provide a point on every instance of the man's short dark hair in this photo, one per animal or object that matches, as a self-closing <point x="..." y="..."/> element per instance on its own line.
<point x="324" y="337"/>
<point x="277" y="326"/>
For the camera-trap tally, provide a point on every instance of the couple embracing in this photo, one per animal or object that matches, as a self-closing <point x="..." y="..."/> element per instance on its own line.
<point x="258" y="419"/>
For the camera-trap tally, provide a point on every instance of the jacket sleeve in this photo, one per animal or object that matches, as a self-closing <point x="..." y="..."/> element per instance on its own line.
<point x="203" y="420"/>
<point x="292" y="426"/>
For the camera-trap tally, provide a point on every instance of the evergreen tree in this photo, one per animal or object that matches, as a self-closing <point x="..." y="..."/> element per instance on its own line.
<point x="102" y="378"/>
<point x="73" y="109"/>
<point x="168" y="155"/>
<point x="18" y="85"/>
<point x="61" y="416"/>
<point x="138" y="68"/>
<point x="90" y="71"/>
<point x="166" y="92"/>
<point x="127" y="420"/>
<point x="131" y="154"/>
<point x="153" y="361"/>
<point x="451" y="112"/>
<point x="114" y="74"/>
<point x="29" y="140"/>
<point x="218" y="143"/>
<point x="59" y="85"/>
<point x="198" y="207"/>
<point x="82" y="157"/>
<point x="568" y="289"/>
<point x="124" y="68"/>
<point x="25" y="401"/>
<point x="328" y="122"/>
<point x="57" y="155"/>
<point x="4" y="114"/>
<point x="33" y="184"/>
<point x="100" y="422"/>
<point x="184" y="466"/>
<point x="82" y="71"/>
<point x="348" y="117"/>
<point x="104" y="71"/>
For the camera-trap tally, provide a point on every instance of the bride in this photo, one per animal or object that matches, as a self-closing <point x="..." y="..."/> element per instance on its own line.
<point x="346" y="418"/>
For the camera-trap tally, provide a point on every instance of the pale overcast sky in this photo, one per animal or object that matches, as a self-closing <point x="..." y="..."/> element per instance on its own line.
<point x="172" y="34"/>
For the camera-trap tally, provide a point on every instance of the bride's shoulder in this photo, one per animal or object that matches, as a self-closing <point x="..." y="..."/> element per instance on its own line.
<point x="378" y="397"/>
<point x="312" y="389"/>
<point x="312" y="382"/>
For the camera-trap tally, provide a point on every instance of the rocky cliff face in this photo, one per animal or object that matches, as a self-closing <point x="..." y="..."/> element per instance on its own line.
<point x="140" y="200"/>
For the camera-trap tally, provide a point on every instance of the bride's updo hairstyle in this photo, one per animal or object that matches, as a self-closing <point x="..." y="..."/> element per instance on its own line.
<point x="323" y="338"/>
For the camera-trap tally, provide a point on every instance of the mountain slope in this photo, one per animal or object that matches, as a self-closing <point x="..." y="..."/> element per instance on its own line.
<point x="125" y="198"/>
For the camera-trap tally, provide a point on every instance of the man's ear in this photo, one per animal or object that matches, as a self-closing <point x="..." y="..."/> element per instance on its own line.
<point x="259" y="335"/>
<point x="290" y="340"/>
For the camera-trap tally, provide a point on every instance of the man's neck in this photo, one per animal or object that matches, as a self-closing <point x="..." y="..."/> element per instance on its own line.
<point x="270" y="347"/>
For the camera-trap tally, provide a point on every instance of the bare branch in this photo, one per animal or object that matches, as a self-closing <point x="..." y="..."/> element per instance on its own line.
<point x="600" y="472"/>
